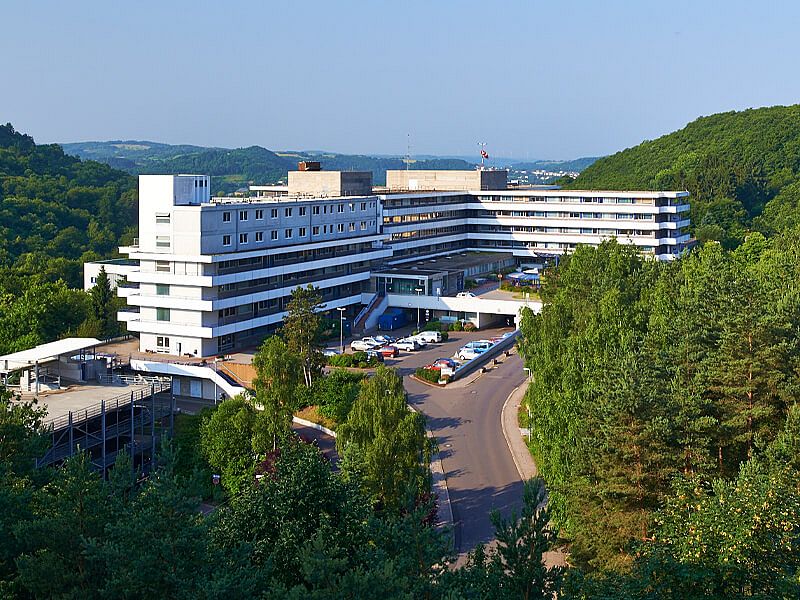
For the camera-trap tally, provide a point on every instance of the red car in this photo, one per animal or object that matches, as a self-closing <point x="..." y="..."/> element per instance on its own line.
<point x="388" y="351"/>
<point x="439" y="363"/>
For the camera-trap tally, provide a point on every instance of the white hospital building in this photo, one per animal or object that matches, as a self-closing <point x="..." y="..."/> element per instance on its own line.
<point x="215" y="274"/>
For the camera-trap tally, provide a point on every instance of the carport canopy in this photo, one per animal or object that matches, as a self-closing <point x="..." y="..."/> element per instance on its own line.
<point x="45" y="353"/>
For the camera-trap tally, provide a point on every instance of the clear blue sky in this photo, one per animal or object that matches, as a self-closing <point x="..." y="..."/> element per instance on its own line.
<point x="532" y="79"/>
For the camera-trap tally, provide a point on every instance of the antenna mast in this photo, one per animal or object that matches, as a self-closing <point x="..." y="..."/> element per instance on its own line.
<point x="484" y="154"/>
<point x="408" y="152"/>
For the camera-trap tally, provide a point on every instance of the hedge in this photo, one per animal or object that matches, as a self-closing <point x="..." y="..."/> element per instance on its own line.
<point x="358" y="360"/>
<point x="431" y="375"/>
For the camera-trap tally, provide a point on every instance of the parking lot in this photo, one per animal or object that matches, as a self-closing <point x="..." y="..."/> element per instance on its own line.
<point x="408" y="362"/>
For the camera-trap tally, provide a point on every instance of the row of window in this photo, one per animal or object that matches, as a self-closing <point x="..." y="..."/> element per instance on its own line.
<point x="574" y="200"/>
<point x="244" y="215"/>
<point x="288" y="233"/>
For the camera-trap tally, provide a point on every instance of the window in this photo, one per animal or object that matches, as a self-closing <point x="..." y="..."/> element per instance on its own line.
<point x="302" y="211"/>
<point x="287" y="212"/>
<point x="162" y="241"/>
<point x="259" y="213"/>
<point x="226" y="240"/>
<point x="226" y="216"/>
<point x="352" y="207"/>
<point x="162" y="289"/>
<point x="363" y="225"/>
<point x="243" y="215"/>
<point x="325" y="209"/>
<point x="259" y="236"/>
<point x="287" y="233"/>
<point x="162" y="266"/>
<point x="162" y="314"/>
<point x="351" y="227"/>
<point x="302" y="232"/>
<point x="162" y="218"/>
<point x="242" y="238"/>
<point x="228" y="312"/>
<point x="363" y="206"/>
<point x="273" y="213"/>
<point x="315" y="210"/>
<point x="162" y="342"/>
<point x="315" y="230"/>
<point x="340" y="227"/>
<point x="341" y="208"/>
<point x="273" y="235"/>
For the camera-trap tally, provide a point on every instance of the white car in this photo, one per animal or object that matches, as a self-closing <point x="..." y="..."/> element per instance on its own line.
<point x="465" y="295"/>
<point x="421" y="341"/>
<point x="364" y="344"/>
<point x="432" y="337"/>
<point x="469" y="353"/>
<point x="407" y="344"/>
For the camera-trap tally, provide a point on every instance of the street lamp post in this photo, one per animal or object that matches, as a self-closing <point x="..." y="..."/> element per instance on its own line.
<point x="341" y="310"/>
<point x="419" y="294"/>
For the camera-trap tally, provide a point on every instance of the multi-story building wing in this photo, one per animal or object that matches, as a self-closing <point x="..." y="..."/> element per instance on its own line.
<point x="215" y="274"/>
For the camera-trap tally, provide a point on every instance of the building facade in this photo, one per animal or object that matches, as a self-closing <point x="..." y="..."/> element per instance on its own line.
<point x="215" y="274"/>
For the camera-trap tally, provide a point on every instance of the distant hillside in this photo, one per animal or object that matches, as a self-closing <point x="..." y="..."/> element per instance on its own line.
<point x="232" y="169"/>
<point x="55" y="207"/>
<point x="377" y="164"/>
<point x="737" y="165"/>
<point x="578" y="164"/>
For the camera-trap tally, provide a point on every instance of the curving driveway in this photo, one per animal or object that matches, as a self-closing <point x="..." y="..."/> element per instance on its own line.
<point x="481" y="473"/>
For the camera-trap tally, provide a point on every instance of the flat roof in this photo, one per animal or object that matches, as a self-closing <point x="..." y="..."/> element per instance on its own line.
<point x="457" y="261"/>
<point x="45" y="353"/>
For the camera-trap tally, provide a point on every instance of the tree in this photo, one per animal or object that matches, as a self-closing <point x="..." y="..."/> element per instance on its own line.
<point x="277" y="379"/>
<point x="231" y="442"/>
<point x="515" y="567"/>
<point x="385" y="444"/>
<point x="103" y="304"/>
<point x="301" y="330"/>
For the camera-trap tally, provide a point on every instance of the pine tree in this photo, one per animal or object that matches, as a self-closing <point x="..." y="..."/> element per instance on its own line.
<point x="103" y="304"/>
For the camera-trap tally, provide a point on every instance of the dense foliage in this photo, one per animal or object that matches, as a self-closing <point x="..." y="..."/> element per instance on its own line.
<point x="56" y="206"/>
<point x="56" y="212"/>
<point x="300" y="531"/>
<point x="737" y="165"/>
<point x="645" y="372"/>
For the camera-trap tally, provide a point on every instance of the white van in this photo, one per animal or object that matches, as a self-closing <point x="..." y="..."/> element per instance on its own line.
<point x="432" y="337"/>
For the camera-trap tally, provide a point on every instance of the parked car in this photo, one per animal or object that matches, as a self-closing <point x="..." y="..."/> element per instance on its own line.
<point x="439" y="363"/>
<point x="364" y="344"/>
<point x="388" y="351"/>
<point x="465" y="295"/>
<point x="470" y="353"/>
<point x="421" y="341"/>
<point x="407" y="345"/>
<point x="483" y="345"/>
<point x="330" y="352"/>
<point x="430" y="336"/>
<point x="385" y="339"/>
<point x="374" y="354"/>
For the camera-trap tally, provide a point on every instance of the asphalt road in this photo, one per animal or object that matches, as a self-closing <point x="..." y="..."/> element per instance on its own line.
<point x="481" y="475"/>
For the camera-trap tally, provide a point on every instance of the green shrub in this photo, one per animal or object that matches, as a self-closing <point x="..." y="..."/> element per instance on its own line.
<point x="358" y="360"/>
<point x="457" y="326"/>
<point x="431" y="375"/>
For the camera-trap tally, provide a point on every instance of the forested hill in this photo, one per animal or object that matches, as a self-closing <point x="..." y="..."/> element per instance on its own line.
<point x="235" y="168"/>
<point x="55" y="206"/>
<point x="56" y="211"/>
<point x="737" y="165"/>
